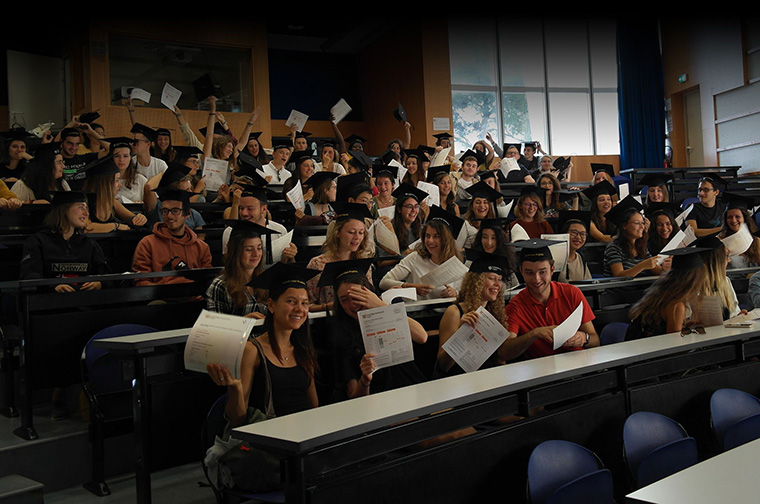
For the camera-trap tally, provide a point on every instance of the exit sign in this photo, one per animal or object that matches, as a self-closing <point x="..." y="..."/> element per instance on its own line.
<point x="683" y="78"/>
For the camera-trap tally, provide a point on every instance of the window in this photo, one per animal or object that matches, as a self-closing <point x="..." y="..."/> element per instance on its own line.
<point x="554" y="81"/>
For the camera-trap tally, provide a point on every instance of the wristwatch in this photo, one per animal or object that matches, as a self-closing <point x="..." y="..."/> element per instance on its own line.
<point x="588" y="338"/>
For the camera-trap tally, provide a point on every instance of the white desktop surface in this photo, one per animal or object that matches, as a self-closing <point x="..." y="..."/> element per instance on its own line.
<point x="728" y="477"/>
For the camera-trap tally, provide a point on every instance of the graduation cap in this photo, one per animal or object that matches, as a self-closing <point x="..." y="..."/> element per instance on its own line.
<point x="252" y="191"/>
<point x="183" y="153"/>
<point x="16" y="134"/>
<point x="605" y="167"/>
<point x="340" y="271"/>
<point x="320" y="178"/>
<point x="249" y="229"/>
<point x="254" y="136"/>
<point x="163" y="131"/>
<point x="118" y="142"/>
<point x="407" y="190"/>
<point x="351" y="186"/>
<point x="302" y="134"/>
<point x="388" y="156"/>
<point x="399" y="113"/>
<point x="738" y="201"/>
<point x="616" y="213"/>
<point x="427" y="150"/>
<point x="686" y="258"/>
<point x="65" y="197"/>
<point x="102" y="167"/>
<point x="434" y="171"/>
<point x="567" y="217"/>
<point x="530" y="144"/>
<point x="533" y="189"/>
<point x="172" y="194"/>
<point x="387" y="171"/>
<point x="346" y="211"/>
<point x="497" y="174"/>
<point x="534" y="250"/>
<point x="286" y="275"/>
<point x="568" y="194"/>
<point x="483" y="190"/>
<point x="146" y="131"/>
<point x="715" y="179"/>
<point x="495" y="223"/>
<point x="218" y="130"/>
<point x="561" y="163"/>
<point x="655" y="179"/>
<point x="595" y="190"/>
<point x="417" y="153"/>
<point x="280" y="142"/>
<point x="88" y="117"/>
<point x="483" y="262"/>
<point x="205" y="86"/>
<point x="69" y="132"/>
<point x="709" y="242"/>
<point x="360" y="160"/>
<point x="298" y="156"/>
<point x="517" y="146"/>
<point x="453" y="222"/>
<point x="479" y="156"/>
<point x="353" y="138"/>
<point x="173" y="173"/>
<point x="48" y="150"/>
<point x="442" y="136"/>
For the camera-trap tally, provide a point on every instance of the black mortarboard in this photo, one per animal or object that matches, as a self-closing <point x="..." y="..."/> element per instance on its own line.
<point x="496" y="223"/>
<point x="567" y="217"/>
<point x="709" y="242"/>
<point x="360" y="160"/>
<point x="497" y="174"/>
<point x="347" y="211"/>
<point x="17" y="134"/>
<point x="116" y="142"/>
<point x="534" y="250"/>
<point x="88" y="117"/>
<point x="483" y="262"/>
<point x="172" y="194"/>
<point x="47" y="149"/>
<point x="247" y="228"/>
<point x="102" y="167"/>
<point x="716" y="180"/>
<point x="254" y="136"/>
<point x="254" y="192"/>
<point x="399" y="113"/>
<point x="205" y="86"/>
<point x="339" y="271"/>
<point x="517" y="146"/>
<point x="69" y="132"/>
<point x="353" y="138"/>
<point x="65" y="197"/>
<point x="530" y="144"/>
<point x="686" y="258"/>
<point x="532" y="189"/>
<point x="388" y="156"/>
<point x="434" y="171"/>
<point x="452" y="221"/>
<point x="282" y="274"/>
<point x="561" y="163"/>
<point x="302" y="134"/>
<point x="281" y="143"/>
<point x="163" y="131"/>
<point x="320" y="178"/>
<point x="297" y="156"/>
<point x="183" y="153"/>
<point x="616" y="213"/>
<point x="442" y="136"/>
<point x="479" y="156"/>
<point x="483" y="190"/>
<point x="351" y="186"/>
<point x="418" y="153"/>
<point x="738" y="201"/>
<point x="568" y="194"/>
<point x="605" y="167"/>
<point x="427" y="150"/>
<point x="385" y="171"/>
<point x="218" y="130"/>
<point x="407" y="190"/>
<point x="149" y="133"/>
<point x="655" y="179"/>
<point x="595" y="190"/>
<point x="173" y="173"/>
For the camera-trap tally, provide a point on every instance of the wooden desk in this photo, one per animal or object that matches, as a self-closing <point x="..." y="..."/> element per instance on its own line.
<point x="728" y="477"/>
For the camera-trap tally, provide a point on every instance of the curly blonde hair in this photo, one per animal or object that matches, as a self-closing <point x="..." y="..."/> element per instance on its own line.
<point x="471" y="295"/>
<point x="331" y="247"/>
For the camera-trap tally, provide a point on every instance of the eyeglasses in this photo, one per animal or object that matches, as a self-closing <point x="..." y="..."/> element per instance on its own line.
<point x="577" y="234"/>
<point x="411" y="207"/>
<point x="173" y="211"/>
<point x="704" y="189"/>
<point x="692" y="330"/>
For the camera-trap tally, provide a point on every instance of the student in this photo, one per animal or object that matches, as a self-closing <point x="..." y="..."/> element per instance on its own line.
<point x="43" y="176"/>
<point x="663" y="226"/>
<point x="481" y="206"/>
<point x="355" y="373"/>
<point x="414" y="169"/>
<point x="665" y="306"/>
<point x="574" y="223"/>
<point x="320" y="206"/>
<point x="737" y="214"/>
<point x="328" y="160"/>
<point x="441" y="177"/>
<point x="385" y="178"/>
<point x="468" y="176"/>
<point x="230" y="292"/>
<point x="706" y="216"/>
<point x="529" y="211"/>
<point x="147" y="165"/>
<point x="408" y="216"/>
<point x="602" y="197"/>
<point x="482" y="287"/>
<point x="108" y="213"/>
<point x="657" y="187"/>
<point x="543" y="304"/>
<point x="75" y="163"/>
<point x="627" y="254"/>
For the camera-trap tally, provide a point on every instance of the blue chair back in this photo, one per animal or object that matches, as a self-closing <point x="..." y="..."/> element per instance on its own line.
<point x="688" y="201"/>
<point x="614" y="332"/>
<point x="555" y="463"/>
<point x="595" y="487"/>
<point x="666" y="460"/>
<point x="745" y="430"/>
<point x="729" y="406"/>
<point x="643" y="432"/>
<point x="103" y="370"/>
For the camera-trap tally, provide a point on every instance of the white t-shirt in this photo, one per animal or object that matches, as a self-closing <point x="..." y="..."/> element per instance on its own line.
<point x="155" y="167"/>
<point x="278" y="176"/>
<point x="135" y="193"/>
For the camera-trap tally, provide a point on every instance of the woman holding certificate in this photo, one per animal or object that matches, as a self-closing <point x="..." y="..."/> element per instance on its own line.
<point x="285" y="349"/>
<point x="437" y="246"/>
<point x="356" y="370"/>
<point x="230" y="292"/>
<point x="737" y="214"/>
<point x="482" y="288"/>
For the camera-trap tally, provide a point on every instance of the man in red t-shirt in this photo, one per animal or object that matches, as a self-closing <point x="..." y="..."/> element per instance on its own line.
<point x="541" y="306"/>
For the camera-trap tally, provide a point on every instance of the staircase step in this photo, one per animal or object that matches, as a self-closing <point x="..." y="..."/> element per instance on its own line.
<point x="20" y="490"/>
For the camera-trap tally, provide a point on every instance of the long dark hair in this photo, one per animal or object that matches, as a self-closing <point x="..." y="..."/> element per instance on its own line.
<point x="39" y="175"/>
<point x="400" y="228"/>
<point x="303" y="348"/>
<point x="639" y="247"/>
<point x="344" y="328"/>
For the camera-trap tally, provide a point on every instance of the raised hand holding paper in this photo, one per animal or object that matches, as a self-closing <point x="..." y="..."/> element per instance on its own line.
<point x="217" y="338"/>
<point x="385" y="331"/>
<point x="568" y="328"/>
<point x="471" y="346"/>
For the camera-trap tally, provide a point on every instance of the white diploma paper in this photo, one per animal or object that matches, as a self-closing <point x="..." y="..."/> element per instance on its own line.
<point x="404" y="293"/>
<point x="739" y="242"/>
<point x="471" y="346"/>
<point x="676" y="242"/>
<point x="385" y="331"/>
<point x="340" y="110"/>
<point x="509" y="165"/>
<point x="560" y="251"/>
<point x="140" y="94"/>
<point x="215" y="172"/>
<point x="279" y="245"/>
<point x="389" y="212"/>
<point x="385" y="237"/>
<point x="401" y="174"/>
<point x="568" y="328"/>
<point x="217" y="338"/>
<point x="623" y="190"/>
<point x="295" y="196"/>
<point x="439" y="158"/>
<point x="170" y="96"/>
<point x="297" y="118"/>
<point x="518" y="233"/>
<point x="684" y="214"/>
<point x="434" y="194"/>
<point x="448" y="272"/>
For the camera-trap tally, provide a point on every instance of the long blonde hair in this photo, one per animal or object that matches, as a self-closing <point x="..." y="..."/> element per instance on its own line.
<point x="714" y="281"/>
<point x="104" y="188"/>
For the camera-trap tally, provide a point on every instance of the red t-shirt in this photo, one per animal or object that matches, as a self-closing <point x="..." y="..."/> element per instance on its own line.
<point x="526" y="314"/>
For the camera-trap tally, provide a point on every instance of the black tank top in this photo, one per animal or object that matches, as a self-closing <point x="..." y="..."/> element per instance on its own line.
<point x="289" y="388"/>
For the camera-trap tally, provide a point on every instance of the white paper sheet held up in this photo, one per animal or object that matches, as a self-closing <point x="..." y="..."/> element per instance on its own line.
<point x="215" y="172"/>
<point x="280" y="244"/>
<point x="471" y="346"/>
<point x="509" y="165"/>
<point x="340" y="110"/>
<point x="439" y="158"/>
<point x="297" y="118"/>
<point x="385" y="237"/>
<point x="295" y="196"/>
<point x="568" y="328"/>
<point x="676" y="242"/>
<point x="404" y="293"/>
<point x="682" y="216"/>
<point x="434" y="194"/>
<point x="518" y="233"/>
<point x="448" y="272"/>
<point x="623" y="190"/>
<point x="389" y="212"/>
<point x="503" y="210"/>
<point x="140" y="94"/>
<point x="385" y="331"/>
<point x="739" y="242"/>
<point x="217" y="338"/>
<point x="170" y="96"/>
<point x="560" y="251"/>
